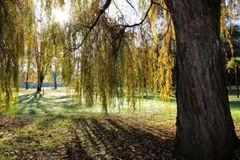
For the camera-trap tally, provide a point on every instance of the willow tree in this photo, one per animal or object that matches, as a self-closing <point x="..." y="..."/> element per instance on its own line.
<point x="205" y="127"/>
<point x="47" y="38"/>
<point x="29" y="25"/>
<point x="55" y="72"/>
<point x="11" y="46"/>
<point x="46" y="47"/>
<point x="112" y="65"/>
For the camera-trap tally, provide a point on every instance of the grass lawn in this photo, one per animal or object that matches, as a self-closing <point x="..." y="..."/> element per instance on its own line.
<point x="57" y="127"/>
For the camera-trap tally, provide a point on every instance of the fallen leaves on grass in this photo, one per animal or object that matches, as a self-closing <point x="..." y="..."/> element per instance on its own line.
<point x="114" y="137"/>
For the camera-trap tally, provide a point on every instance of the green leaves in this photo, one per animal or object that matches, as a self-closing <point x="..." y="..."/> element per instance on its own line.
<point x="233" y="62"/>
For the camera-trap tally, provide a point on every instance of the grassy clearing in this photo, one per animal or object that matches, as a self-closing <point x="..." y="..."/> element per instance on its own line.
<point x="56" y="127"/>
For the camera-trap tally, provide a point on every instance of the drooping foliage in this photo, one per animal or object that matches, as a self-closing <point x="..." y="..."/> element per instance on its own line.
<point x="114" y="62"/>
<point x="12" y="38"/>
<point x="105" y="59"/>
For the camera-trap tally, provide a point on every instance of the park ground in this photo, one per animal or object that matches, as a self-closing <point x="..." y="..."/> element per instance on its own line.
<point x="55" y="126"/>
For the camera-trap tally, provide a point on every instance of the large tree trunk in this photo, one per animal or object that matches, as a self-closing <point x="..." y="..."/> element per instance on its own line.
<point x="205" y="127"/>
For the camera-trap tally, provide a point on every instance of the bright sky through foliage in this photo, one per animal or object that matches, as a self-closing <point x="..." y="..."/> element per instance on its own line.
<point x="119" y="10"/>
<point x="61" y="15"/>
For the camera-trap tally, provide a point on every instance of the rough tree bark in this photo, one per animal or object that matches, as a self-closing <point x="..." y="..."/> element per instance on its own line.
<point x="205" y="128"/>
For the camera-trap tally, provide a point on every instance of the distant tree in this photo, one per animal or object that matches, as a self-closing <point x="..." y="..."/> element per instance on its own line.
<point x="55" y="72"/>
<point x="48" y="44"/>
<point x="43" y="57"/>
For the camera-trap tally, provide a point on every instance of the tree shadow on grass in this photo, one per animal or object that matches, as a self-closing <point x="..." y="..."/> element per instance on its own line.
<point x="93" y="138"/>
<point x="26" y="101"/>
<point x="25" y="98"/>
<point x="234" y="100"/>
<point x="124" y="141"/>
<point x="84" y="127"/>
<point x="38" y="104"/>
<point x="75" y="150"/>
<point x="235" y="104"/>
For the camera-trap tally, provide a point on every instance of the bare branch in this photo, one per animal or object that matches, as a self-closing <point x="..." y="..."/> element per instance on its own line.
<point x="131" y="6"/>
<point x="141" y="22"/>
<point x="118" y="8"/>
<point x="101" y="12"/>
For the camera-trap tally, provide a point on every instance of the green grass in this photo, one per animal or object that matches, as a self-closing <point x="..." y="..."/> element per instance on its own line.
<point x="235" y="107"/>
<point x="55" y="126"/>
<point x="60" y="103"/>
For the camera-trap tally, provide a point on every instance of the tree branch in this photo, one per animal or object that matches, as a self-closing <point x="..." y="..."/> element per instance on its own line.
<point x="101" y="12"/>
<point x="141" y="22"/>
<point x="131" y="5"/>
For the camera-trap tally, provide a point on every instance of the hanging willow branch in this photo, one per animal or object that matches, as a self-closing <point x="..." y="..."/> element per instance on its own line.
<point x="102" y="11"/>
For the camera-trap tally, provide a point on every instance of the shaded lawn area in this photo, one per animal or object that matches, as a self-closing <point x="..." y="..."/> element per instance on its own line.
<point x="84" y="138"/>
<point x="56" y="127"/>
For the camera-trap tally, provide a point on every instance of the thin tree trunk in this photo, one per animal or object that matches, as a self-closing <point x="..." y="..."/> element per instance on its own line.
<point x="54" y="75"/>
<point x="205" y="127"/>
<point x="104" y="104"/>
<point x="26" y="83"/>
<point x="55" y="83"/>
<point x="27" y="75"/>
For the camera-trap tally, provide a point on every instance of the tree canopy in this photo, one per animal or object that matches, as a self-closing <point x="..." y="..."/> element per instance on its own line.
<point x="100" y="55"/>
<point x="109" y="59"/>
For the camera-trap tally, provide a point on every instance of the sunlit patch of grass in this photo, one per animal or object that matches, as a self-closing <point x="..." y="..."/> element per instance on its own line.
<point x="58" y="102"/>
<point x="50" y="144"/>
<point x="56" y="124"/>
<point x="235" y="107"/>
<point x="235" y="114"/>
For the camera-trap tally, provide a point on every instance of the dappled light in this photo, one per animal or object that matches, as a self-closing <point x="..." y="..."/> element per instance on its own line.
<point x="53" y="126"/>
<point x="120" y="79"/>
<point x="85" y="138"/>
